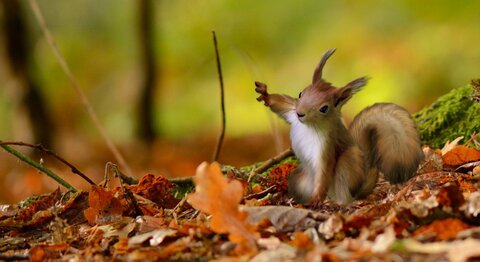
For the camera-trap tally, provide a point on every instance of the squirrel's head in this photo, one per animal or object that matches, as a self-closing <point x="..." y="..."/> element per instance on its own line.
<point x="321" y="101"/>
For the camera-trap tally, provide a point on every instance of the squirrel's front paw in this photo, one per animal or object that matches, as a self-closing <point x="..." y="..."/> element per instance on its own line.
<point x="261" y="88"/>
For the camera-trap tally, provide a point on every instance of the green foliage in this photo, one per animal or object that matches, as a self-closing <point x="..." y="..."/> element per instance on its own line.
<point x="412" y="51"/>
<point x="452" y="115"/>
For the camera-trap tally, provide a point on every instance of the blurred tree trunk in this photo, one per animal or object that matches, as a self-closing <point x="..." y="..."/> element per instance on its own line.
<point x="146" y="130"/>
<point x="19" y="58"/>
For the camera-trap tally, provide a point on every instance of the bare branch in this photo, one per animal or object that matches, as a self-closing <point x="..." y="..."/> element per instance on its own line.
<point x="222" y="100"/>
<point x="274" y="160"/>
<point x="38" y="166"/>
<point x="51" y="42"/>
<point x="54" y="155"/>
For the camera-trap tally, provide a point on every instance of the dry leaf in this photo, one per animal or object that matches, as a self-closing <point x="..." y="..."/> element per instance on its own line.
<point x="333" y="225"/>
<point x="301" y="239"/>
<point x="431" y="163"/>
<point x="43" y="203"/>
<point x="476" y="171"/>
<point x="104" y="207"/>
<point x="157" y="189"/>
<point x="456" y="251"/>
<point x="285" y="218"/>
<point x="156" y="237"/>
<point x="384" y="241"/>
<point x="451" y="145"/>
<point x="47" y="252"/>
<point x="472" y="205"/>
<point x="283" y="253"/>
<point x="445" y="229"/>
<point x="217" y="196"/>
<point x="460" y="155"/>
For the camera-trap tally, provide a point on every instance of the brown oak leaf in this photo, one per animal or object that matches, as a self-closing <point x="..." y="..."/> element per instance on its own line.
<point x="104" y="207"/>
<point x="216" y="195"/>
<point x="460" y="155"/>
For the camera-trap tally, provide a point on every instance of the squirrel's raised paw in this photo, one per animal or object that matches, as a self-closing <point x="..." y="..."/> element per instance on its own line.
<point x="261" y="88"/>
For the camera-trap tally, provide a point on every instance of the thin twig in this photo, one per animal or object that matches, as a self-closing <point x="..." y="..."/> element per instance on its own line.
<point x="14" y="257"/>
<point x="181" y="180"/>
<point x="473" y="138"/>
<point x="51" y="41"/>
<point x="127" y="192"/>
<point x="261" y="194"/>
<point x="222" y="100"/>
<point x="54" y="155"/>
<point x="38" y="166"/>
<point x="260" y="169"/>
<point x="272" y="161"/>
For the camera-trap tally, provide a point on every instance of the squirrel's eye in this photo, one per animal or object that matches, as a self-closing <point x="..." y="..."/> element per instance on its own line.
<point x="300" y="94"/>
<point x="324" y="109"/>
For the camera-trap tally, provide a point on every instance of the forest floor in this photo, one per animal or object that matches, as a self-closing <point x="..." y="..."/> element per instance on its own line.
<point x="238" y="214"/>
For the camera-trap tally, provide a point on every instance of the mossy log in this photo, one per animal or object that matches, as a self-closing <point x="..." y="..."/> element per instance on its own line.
<point x="453" y="115"/>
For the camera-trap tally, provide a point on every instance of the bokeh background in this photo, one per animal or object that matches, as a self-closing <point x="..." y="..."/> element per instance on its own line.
<point x="414" y="51"/>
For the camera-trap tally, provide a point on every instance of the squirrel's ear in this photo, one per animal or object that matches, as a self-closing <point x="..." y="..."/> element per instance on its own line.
<point x="317" y="74"/>
<point x="343" y="94"/>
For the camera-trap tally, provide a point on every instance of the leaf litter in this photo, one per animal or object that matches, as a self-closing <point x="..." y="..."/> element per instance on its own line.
<point x="431" y="217"/>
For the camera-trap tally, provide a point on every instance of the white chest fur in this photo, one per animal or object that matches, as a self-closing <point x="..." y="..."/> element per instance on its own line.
<point x="308" y="143"/>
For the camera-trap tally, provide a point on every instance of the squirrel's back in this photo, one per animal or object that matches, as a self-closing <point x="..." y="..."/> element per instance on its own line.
<point x="389" y="137"/>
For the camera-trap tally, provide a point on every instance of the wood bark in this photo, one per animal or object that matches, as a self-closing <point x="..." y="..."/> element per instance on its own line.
<point x="19" y="58"/>
<point x="146" y="127"/>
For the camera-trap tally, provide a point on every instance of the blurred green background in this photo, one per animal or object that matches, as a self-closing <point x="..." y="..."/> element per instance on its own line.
<point x="414" y="51"/>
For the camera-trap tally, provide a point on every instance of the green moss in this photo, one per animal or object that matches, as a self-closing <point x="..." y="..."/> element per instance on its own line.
<point x="452" y="115"/>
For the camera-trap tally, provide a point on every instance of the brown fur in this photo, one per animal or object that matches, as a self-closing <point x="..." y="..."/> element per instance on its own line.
<point x="389" y="135"/>
<point x="383" y="137"/>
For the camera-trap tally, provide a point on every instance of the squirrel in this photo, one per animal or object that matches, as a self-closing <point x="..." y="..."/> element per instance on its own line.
<point x="339" y="162"/>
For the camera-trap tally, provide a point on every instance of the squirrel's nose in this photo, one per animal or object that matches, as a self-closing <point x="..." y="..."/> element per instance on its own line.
<point x="300" y="115"/>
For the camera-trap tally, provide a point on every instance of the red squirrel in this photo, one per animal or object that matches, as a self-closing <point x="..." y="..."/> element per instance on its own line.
<point x="342" y="163"/>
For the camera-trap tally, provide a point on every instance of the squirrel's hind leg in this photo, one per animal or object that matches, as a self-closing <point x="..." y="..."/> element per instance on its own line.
<point x="301" y="185"/>
<point x="349" y="176"/>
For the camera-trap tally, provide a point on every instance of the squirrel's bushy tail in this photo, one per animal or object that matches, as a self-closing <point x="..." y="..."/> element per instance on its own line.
<point x="389" y="135"/>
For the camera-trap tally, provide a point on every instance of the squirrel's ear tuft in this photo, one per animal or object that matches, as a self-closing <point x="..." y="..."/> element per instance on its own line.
<point x="317" y="75"/>
<point x="343" y="94"/>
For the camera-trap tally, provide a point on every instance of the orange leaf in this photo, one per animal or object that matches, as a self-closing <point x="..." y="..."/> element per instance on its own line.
<point x="157" y="189"/>
<point x="460" y="155"/>
<point x="443" y="229"/>
<point x="47" y="252"/>
<point x="216" y="195"/>
<point x="104" y="207"/>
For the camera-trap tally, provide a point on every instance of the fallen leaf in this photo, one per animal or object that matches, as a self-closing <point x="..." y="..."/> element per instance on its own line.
<point x="278" y="177"/>
<point x="450" y="145"/>
<point x="158" y="254"/>
<point x="157" y="189"/>
<point x="285" y="218"/>
<point x="121" y="228"/>
<point x="8" y="211"/>
<point x="301" y="239"/>
<point x="460" y="155"/>
<point x="149" y="223"/>
<point x="476" y="171"/>
<point x="216" y="195"/>
<point x="472" y="205"/>
<point x="283" y="253"/>
<point x="421" y="207"/>
<point x="333" y="225"/>
<point x="156" y="237"/>
<point x="445" y="229"/>
<point x="47" y="252"/>
<point x="270" y="243"/>
<point x="384" y="241"/>
<point x="104" y="207"/>
<point x="431" y="163"/>
<point x="41" y="203"/>
<point x="456" y="251"/>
